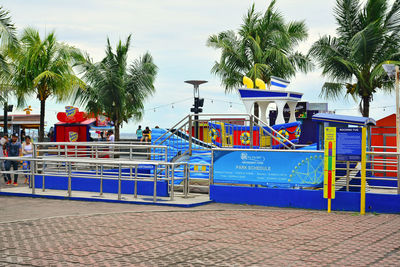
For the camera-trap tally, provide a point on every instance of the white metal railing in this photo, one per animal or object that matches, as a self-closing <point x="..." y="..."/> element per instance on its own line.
<point x="100" y="150"/>
<point x="102" y="169"/>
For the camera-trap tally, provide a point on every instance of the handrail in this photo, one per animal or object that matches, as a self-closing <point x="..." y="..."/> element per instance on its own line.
<point x="277" y="133"/>
<point x="187" y="116"/>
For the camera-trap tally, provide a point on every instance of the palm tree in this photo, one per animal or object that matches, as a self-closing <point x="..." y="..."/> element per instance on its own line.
<point x="263" y="47"/>
<point x="8" y="41"/>
<point x="368" y="36"/>
<point x="116" y="88"/>
<point x="43" y="68"/>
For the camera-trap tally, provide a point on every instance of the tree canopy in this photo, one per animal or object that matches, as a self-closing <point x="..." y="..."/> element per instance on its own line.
<point x="367" y="36"/>
<point x="264" y="46"/>
<point x="115" y="87"/>
<point x="43" y="68"/>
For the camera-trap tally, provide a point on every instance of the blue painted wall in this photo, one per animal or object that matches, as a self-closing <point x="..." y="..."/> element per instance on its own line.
<point x="109" y="186"/>
<point x="307" y="199"/>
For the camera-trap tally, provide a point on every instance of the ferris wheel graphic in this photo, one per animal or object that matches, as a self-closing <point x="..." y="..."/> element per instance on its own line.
<point x="308" y="171"/>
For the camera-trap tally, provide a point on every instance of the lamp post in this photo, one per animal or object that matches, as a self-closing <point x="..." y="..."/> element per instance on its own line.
<point x="393" y="71"/>
<point x="198" y="103"/>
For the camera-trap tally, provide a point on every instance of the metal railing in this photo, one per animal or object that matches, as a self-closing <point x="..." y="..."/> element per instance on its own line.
<point x="45" y="168"/>
<point x="182" y="135"/>
<point x="127" y="150"/>
<point x="382" y="173"/>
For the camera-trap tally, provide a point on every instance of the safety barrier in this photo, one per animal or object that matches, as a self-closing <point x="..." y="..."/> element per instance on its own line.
<point x="195" y="133"/>
<point x="129" y="150"/>
<point x="382" y="174"/>
<point x="102" y="170"/>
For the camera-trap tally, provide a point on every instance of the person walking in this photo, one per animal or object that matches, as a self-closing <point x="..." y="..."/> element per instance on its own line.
<point x="14" y="149"/>
<point x="27" y="151"/>
<point x="139" y="133"/>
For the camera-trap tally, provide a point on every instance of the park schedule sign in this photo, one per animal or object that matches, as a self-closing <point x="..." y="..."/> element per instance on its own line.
<point x="278" y="168"/>
<point x="348" y="144"/>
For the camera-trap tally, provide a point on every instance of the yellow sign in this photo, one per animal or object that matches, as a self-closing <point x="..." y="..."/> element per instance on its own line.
<point x="330" y="162"/>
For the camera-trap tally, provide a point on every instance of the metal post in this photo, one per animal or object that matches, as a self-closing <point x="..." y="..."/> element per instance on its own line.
<point x="101" y="179"/>
<point x="347" y="175"/>
<point x="251" y="130"/>
<point x="172" y="181"/>
<point x="69" y="179"/>
<point x="397" y="126"/>
<point x="97" y="152"/>
<point x="43" y="178"/>
<point x="190" y="134"/>
<point x="119" y="182"/>
<point x="130" y="153"/>
<point x="398" y="173"/>
<point x="33" y="168"/>
<point x="185" y="181"/>
<point x="155" y="184"/>
<point x="136" y="181"/>
<point x="397" y="111"/>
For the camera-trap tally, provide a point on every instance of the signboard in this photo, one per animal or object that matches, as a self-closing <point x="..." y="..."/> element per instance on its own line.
<point x="349" y="141"/>
<point x="330" y="162"/>
<point x="269" y="168"/>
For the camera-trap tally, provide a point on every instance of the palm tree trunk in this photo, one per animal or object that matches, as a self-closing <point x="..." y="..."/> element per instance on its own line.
<point x="5" y="128"/>
<point x="365" y="106"/>
<point x="42" y="114"/>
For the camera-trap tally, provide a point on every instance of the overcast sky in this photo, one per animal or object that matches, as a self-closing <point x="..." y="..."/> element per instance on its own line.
<point x="175" y="33"/>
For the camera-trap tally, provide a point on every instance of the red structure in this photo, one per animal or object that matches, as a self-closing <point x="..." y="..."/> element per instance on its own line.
<point x="73" y="126"/>
<point x="73" y="132"/>
<point x="383" y="139"/>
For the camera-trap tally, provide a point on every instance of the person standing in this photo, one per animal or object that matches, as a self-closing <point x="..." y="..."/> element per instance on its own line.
<point x="139" y="133"/>
<point x="14" y="149"/>
<point x="111" y="137"/>
<point x="27" y="151"/>
<point x="3" y="153"/>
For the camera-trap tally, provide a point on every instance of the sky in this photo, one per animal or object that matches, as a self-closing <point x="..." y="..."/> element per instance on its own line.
<point x="175" y="33"/>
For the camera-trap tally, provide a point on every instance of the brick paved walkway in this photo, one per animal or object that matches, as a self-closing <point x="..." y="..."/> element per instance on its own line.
<point x="258" y="237"/>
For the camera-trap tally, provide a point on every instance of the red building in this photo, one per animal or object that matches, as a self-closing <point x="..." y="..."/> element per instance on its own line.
<point x="383" y="139"/>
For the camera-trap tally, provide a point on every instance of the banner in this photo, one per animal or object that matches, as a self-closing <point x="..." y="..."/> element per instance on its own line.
<point x="268" y="168"/>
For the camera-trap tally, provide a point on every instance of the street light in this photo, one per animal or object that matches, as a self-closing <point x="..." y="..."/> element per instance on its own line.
<point x="393" y="71"/>
<point x="198" y="103"/>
